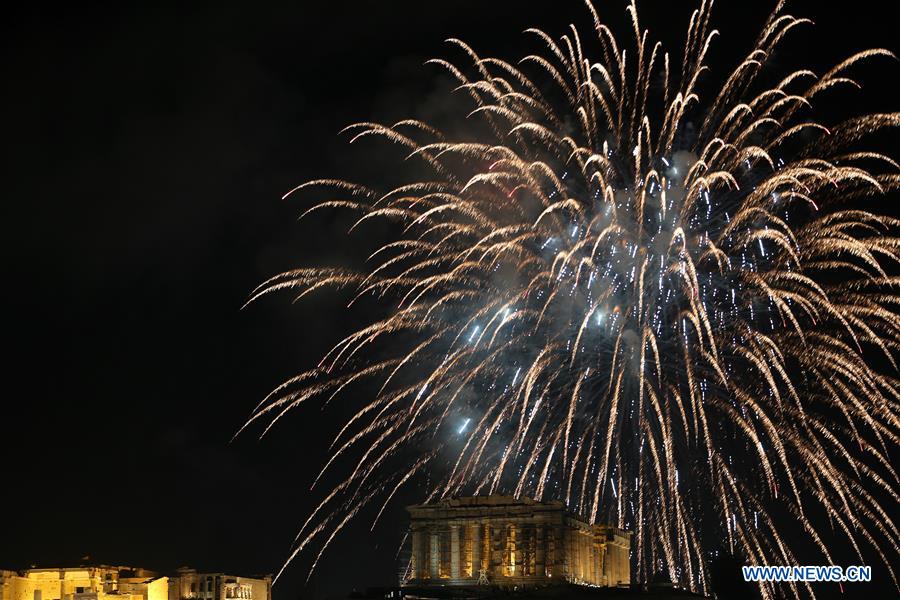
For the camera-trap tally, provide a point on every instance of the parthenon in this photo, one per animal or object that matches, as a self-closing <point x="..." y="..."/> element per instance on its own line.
<point x="500" y="540"/>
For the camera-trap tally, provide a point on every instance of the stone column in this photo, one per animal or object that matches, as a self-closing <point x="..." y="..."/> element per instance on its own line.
<point x="539" y="566"/>
<point x="588" y="557"/>
<point x="454" y="552"/>
<point x="435" y="555"/>
<point x="498" y="544"/>
<point x="476" y="549"/>
<point x="575" y="550"/>
<point x="559" y="554"/>
<point x="601" y="564"/>
<point x="417" y="567"/>
<point x="513" y="547"/>
<point x="582" y="555"/>
<point x="608" y="563"/>
<point x="579" y="558"/>
<point x="617" y="575"/>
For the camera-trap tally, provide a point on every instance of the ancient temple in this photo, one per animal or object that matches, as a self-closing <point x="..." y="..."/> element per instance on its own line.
<point x="500" y="540"/>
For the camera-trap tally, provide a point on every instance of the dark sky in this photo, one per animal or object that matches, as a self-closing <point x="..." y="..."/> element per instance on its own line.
<point x="147" y="147"/>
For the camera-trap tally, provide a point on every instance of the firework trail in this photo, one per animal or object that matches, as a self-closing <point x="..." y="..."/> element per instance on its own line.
<point x="669" y="327"/>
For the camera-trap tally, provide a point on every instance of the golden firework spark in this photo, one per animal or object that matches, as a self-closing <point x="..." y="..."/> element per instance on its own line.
<point x="668" y="328"/>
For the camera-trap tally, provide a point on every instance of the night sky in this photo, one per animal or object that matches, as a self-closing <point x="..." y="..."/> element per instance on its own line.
<point x="147" y="149"/>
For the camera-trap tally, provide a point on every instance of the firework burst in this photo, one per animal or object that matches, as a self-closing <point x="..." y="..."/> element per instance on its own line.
<point x="656" y="303"/>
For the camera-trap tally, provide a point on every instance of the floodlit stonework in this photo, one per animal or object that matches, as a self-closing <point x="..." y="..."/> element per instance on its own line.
<point x="83" y="583"/>
<point x="188" y="584"/>
<point x="500" y="540"/>
<point x="126" y="583"/>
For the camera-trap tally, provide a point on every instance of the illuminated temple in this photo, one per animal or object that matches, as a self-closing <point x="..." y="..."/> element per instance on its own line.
<point x="515" y="543"/>
<point x="103" y="582"/>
